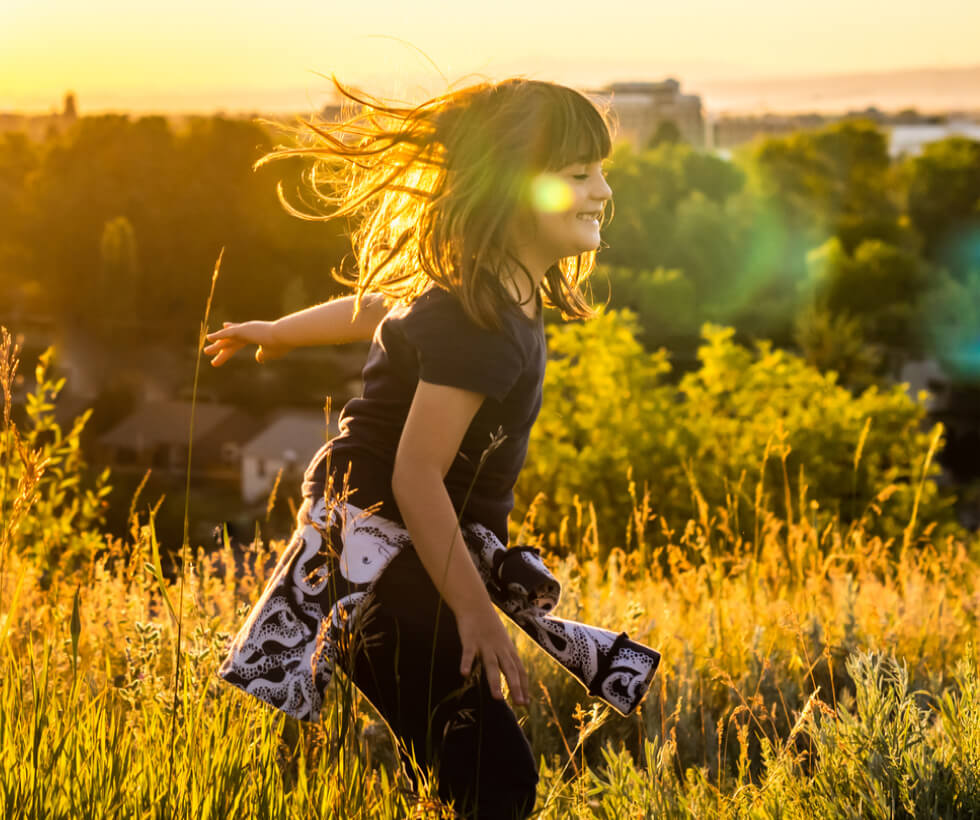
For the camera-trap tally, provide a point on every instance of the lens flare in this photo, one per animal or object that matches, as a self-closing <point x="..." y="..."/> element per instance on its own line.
<point x="965" y="360"/>
<point x="951" y="327"/>
<point x="960" y="251"/>
<point x="551" y="194"/>
<point x="770" y="267"/>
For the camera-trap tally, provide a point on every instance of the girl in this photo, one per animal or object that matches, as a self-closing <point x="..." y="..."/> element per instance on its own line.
<point x="474" y="210"/>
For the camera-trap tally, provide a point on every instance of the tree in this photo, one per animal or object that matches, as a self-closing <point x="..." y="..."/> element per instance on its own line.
<point x="879" y="285"/>
<point x="664" y="302"/>
<point x="650" y="188"/>
<point x="950" y="315"/>
<point x="835" y="181"/>
<point x="703" y="244"/>
<point x="716" y="178"/>
<point x="185" y="195"/>
<point x="119" y="269"/>
<point x="666" y="133"/>
<point x="944" y="200"/>
<point x="99" y="168"/>
<point x="19" y="159"/>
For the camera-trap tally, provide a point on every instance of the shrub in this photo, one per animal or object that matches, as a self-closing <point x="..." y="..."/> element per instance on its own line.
<point x="50" y="510"/>
<point x="749" y="431"/>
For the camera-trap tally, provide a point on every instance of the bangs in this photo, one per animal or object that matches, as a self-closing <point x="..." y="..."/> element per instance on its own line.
<point x="575" y="130"/>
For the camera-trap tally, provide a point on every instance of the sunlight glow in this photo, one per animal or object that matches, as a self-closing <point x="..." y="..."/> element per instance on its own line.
<point x="190" y="54"/>
<point x="550" y="194"/>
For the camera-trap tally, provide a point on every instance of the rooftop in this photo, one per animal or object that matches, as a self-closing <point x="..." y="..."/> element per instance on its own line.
<point x="294" y="435"/>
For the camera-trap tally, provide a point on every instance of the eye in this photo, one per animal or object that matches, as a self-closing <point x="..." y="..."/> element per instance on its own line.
<point x="585" y="170"/>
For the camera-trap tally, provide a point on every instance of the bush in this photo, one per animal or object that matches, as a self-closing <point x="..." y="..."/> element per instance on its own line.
<point x="749" y="431"/>
<point x="50" y="511"/>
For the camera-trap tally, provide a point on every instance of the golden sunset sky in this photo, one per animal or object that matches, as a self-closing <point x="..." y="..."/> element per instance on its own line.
<point x="202" y="55"/>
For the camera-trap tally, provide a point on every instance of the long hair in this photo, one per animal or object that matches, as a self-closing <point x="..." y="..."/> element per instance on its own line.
<point x="431" y="190"/>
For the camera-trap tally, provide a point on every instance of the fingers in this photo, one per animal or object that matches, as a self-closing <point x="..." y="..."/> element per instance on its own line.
<point x="486" y="639"/>
<point x="505" y="663"/>
<point x="226" y="330"/>
<point x="523" y="689"/>
<point x="466" y="663"/>
<point x="513" y="670"/>
<point x="492" y="670"/>
<point x="221" y="350"/>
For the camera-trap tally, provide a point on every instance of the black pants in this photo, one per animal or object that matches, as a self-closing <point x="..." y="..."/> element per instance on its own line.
<point x="405" y="659"/>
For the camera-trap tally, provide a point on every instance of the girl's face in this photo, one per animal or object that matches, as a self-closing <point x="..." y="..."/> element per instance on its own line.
<point x="566" y="211"/>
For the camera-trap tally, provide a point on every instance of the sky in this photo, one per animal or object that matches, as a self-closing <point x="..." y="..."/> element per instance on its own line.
<point x="204" y="55"/>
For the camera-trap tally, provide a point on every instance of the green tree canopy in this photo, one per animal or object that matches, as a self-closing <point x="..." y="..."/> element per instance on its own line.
<point x="944" y="201"/>
<point x="185" y="194"/>
<point x="880" y="285"/>
<point x="835" y="181"/>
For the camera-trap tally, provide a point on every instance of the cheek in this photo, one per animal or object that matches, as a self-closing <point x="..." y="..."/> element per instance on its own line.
<point x="555" y="225"/>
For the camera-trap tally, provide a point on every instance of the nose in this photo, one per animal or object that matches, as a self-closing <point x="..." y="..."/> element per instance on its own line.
<point x="601" y="190"/>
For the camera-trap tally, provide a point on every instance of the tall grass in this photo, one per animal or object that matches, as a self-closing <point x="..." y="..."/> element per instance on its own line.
<point x="806" y="673"/>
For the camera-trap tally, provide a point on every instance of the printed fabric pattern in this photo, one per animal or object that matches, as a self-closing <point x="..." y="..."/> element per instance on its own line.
<point x="309" y="613"/>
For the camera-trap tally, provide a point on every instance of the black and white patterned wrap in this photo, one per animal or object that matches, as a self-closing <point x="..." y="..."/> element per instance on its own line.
<point x="286" y="651"/>
<point x="610" y="665"/>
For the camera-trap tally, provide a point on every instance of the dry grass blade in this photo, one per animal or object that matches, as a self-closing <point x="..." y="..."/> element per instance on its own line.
<point x="202" y="335"/>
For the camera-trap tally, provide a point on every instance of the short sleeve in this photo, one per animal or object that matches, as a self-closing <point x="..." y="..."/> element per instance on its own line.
<point x="454" y="351"/>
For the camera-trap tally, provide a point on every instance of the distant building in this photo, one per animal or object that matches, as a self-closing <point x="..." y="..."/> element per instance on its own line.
<point x="730" y="131"/>
<point x="286" y="445"/>
<point x="156" y="436"/>
<point x="640" y="108"/>
<point x="907" y="130"/>
<point x="40" y="126"/>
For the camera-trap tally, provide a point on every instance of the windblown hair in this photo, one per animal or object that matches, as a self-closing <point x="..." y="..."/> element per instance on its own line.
<point x="431" y="190"/>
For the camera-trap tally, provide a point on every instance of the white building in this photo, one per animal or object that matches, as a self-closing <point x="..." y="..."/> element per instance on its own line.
<point x="910" y="139"/>
<point x="286" y="445"/>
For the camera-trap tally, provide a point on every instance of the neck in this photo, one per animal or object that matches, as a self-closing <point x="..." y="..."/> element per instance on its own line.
<point x="522" y="276"/>
<point x="522" y="289"/>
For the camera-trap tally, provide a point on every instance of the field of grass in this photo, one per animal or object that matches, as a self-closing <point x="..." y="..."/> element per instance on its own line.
<point x="806" y="673"/>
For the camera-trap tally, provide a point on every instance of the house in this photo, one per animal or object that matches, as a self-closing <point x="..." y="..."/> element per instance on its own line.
<point x="286" y="445"/>
<point x="156" y="436"/>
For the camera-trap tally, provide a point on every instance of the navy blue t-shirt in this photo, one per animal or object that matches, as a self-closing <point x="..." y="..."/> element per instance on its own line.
<point x="433" y="339"/>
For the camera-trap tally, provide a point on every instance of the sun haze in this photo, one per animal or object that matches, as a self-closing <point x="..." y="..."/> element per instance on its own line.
<point x="247" y="55"/>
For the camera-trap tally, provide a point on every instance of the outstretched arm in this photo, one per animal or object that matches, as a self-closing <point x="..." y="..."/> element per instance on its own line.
<point x="327" y="324"/>
<point x="437" y="420"/>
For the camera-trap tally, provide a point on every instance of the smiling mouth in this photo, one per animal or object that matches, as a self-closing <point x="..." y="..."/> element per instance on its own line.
<point x="590" y="216"/>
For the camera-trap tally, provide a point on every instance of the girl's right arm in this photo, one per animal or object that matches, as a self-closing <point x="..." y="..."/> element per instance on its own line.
<point x="437" y="420"/>
<point x="327" y="324"/>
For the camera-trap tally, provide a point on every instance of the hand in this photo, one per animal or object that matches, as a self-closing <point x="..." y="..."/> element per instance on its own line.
<point x="226" y="342"/>
<point x="483" y="635"/>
